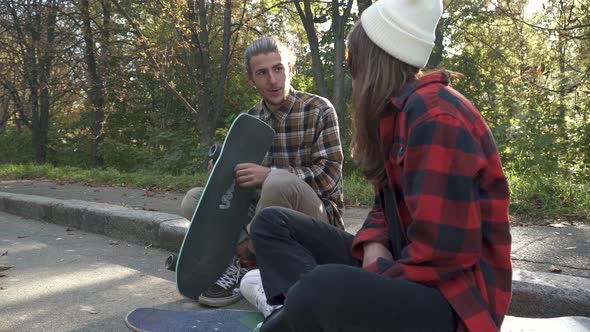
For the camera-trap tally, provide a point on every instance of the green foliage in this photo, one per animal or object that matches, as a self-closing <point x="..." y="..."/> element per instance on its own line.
<point x="527" y="74"/>
<point x="537" y="196"/>
<point x="15" y="146"/>
<point x="357" y="190"/>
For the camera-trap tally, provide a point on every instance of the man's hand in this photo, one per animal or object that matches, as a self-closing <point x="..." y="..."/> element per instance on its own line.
<point x="374" y="250"/>
<point x="249" y="175"/>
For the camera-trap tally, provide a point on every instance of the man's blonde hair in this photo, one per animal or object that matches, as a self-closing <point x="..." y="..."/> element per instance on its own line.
<point x="265" y="45"/>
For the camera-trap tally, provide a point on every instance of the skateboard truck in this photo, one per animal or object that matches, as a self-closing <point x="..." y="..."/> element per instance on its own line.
<point x="214" y="152"/>
<point x="171" y="262"/>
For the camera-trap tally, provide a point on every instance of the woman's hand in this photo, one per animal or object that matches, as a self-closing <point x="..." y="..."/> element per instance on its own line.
<point x="374" y="250"/>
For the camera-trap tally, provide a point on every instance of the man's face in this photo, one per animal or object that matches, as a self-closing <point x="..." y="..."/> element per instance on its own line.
<point x="271" y="76"/>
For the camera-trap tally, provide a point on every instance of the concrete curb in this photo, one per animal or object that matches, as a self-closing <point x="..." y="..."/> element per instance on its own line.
<point x="158" y="229"/>
<point x="535" y="294"/>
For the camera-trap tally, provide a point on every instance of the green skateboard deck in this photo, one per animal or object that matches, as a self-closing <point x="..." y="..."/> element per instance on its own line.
<point x="222" y="210"/>
<point x="162" y="320"/>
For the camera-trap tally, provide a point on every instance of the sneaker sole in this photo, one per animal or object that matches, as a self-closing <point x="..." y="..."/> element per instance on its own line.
<point x="219" y="302"/>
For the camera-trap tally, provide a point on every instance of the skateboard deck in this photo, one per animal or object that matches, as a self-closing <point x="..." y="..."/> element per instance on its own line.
<point x="555" y="324"/>
<point x="162" y="320"/>
<point x="222" y="210"/>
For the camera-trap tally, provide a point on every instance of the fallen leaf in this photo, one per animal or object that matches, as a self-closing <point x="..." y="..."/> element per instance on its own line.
<point x="555" y="269"/>
<point x="2" y="287"/>
<point x="5" y="267"/>
<point x="2" y="275"/>
<point x="88" y="309"/>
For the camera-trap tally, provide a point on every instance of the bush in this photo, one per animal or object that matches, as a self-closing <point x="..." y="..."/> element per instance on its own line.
<point x="15" y="147"/>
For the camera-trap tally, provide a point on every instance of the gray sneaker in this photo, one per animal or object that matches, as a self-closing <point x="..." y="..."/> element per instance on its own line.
<point x="226" y="289"/>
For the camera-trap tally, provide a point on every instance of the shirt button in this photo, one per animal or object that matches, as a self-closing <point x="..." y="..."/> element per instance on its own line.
<point x="401" y="151"/>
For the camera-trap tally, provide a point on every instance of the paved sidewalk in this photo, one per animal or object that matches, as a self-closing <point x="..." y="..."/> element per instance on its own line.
<point x="153" y="218"/>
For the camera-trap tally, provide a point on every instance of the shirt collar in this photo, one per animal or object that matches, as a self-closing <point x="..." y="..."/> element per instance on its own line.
<point x="432" y="78"/>
<point x="282" y="111"/>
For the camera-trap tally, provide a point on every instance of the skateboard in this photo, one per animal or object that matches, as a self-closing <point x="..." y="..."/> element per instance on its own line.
<point x="213" y="154"/>
<point x="555" y="324"/>
<point x="162" y="320"/>
<point x="222" y="210"/>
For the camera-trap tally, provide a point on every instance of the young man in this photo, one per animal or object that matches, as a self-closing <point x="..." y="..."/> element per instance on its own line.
<point x="303" y="169"/>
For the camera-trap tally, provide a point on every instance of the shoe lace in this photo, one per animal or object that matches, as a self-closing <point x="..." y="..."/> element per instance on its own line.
<point x="232" y="275"/>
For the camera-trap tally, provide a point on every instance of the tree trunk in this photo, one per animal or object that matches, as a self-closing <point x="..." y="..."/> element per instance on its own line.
<point x="35" y="35"/>
<point x="45" y="63"/>
<point x="338" y="87"/>
<point x="202" y="58"/>
<point x="225" y="58"/>
<point x="95" y="84"/>
<point x="363" y="4"/>
<point x="316" y="62"/>
<point x="436" y="56"/>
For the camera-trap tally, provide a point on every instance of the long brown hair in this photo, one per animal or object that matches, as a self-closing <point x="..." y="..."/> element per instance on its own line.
<point x="376" y="77"/>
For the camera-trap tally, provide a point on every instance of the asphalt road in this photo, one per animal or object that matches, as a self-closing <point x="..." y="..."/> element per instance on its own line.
<point x="71" y="280"/>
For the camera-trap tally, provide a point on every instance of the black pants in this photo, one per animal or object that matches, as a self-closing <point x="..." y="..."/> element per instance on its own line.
<point x="327" y="289"/>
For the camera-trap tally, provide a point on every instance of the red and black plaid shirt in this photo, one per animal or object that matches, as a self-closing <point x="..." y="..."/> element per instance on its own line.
<point x="452" y="197"/>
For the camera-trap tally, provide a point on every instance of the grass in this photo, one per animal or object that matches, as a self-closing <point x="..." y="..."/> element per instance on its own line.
<point x="143" y="179"/>
<point x="535" y="198"/>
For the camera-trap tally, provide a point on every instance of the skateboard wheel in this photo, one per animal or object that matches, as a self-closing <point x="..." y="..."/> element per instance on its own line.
<point x="171" y="262"/>
<point x="214" y="151"/>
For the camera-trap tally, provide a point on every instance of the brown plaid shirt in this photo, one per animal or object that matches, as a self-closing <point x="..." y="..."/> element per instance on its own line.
<point x="307" y="143"/>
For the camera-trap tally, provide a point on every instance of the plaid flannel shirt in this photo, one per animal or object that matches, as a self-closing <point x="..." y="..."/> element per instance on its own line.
<point x="307" y="143"/>
<point x="452" y="197"/>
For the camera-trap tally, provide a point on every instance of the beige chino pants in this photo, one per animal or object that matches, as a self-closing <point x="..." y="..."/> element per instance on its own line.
<point x="280" y="188"/>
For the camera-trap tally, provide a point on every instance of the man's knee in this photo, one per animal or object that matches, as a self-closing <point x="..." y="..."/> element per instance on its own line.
<point x="280" y="183"/>
<point x="190" y="201"/>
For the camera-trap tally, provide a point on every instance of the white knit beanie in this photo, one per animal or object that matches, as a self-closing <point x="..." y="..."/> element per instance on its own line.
<point x="403" y="28"/>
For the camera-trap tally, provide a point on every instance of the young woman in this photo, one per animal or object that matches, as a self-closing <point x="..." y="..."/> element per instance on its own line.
<point x="434" y="253"/>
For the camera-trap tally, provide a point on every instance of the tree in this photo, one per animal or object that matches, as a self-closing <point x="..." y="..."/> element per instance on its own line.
<point x="96" y="67"/>
<point x="526" y="72"/>
<point x="196" y="27"/>
<point x="340" y="14"/>
<point x="33" y="24"/>
<point x="363" y="4"/>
